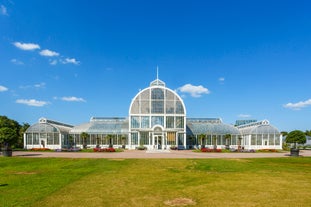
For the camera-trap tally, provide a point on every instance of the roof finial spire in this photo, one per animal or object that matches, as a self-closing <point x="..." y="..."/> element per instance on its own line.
<point x="157" y="72"/>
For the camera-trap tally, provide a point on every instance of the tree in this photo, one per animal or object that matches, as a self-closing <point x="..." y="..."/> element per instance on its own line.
<point x="227" y="137"/>
<point x="296" y="137"/>
<point x="9" y="132"/>
<point x="202" y="138"/>
<point x="84" y="137"/>
<point x="214" y="138"/>
<point x="191" y="137"/>
<point x="109" y="138"/>
<point x="308" y="133"/>
<point x="123" y="139"/>
<point x="20" y="141"/>
<point x="8" y="136"/>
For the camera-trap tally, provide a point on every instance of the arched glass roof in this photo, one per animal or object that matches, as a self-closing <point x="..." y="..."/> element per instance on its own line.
<point x="157" y="99"/>
<point x="49" y="126"/>
<point x="261" y="129"/>
<point x="219" y="128"/>
<point x="42" y="128"/>
<point x="102" y="125"/>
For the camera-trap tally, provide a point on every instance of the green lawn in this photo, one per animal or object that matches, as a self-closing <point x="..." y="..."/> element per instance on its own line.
<point x="155" y="182"/>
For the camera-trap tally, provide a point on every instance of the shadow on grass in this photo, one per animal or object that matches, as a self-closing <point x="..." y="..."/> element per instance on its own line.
<point x="28" y="155"/>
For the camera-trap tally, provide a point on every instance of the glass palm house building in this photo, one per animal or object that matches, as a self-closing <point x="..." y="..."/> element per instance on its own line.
<point x="157" y="121"/>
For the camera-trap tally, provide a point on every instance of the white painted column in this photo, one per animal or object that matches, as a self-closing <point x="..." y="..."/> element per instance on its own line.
<point x="25" y="144"/>
<point x="129" y="141"/>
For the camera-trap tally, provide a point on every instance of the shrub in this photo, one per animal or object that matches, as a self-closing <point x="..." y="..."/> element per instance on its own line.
<point x="141" y="147"/>
<point x="210" y="150"/>
<point x="40" y="149"/>
<point x="109" y="149"/>
<point x="97" y="149"/>
<point x="267" y="150"/>
<point x="173" y="147"/>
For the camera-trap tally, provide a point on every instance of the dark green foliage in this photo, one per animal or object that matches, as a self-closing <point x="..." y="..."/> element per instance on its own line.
<point x="84" y="137"/>
<point x="296" y="137"/>
<point x="308" y="133"/>
<point x="9" y="131"/>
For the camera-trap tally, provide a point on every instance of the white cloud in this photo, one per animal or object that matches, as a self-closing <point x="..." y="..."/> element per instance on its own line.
<point x="221" y="80"/>
<point x="40" y="85"/>
<point x="71" y="60"/>
<point x="73" y="99"/>
<point x="26" y="46"/>
<point x="244" y="115"/>
<point x="298" y="105"/>
<point x="48" y="53"/>
<point x="53" y="62"/>
<point x="32" y="102"/>
<point x="17" y="62"/>
<point x="3" y="10"/>
<point x="194" y="91"/>
<point x="2" y="88"/>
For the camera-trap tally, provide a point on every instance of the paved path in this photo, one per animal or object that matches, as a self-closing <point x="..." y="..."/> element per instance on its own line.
<point x="137" y="154"/>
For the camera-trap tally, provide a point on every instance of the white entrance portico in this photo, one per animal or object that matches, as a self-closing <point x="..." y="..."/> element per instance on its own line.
<point x="158" y="138"/>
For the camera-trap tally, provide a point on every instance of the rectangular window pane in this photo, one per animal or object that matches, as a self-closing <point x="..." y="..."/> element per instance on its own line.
<point x="179" y="122"/>
<point x="56" y="138"/>
<point x="233" y="140"/>
<point x="277" y="139"/>
<point x="170" y="122"/>
<point x="135" y="123"/>
<point x="271" y="139"/>
<point x="134" y="138"/>
<point x="170" y="107"/>
<point x="29" y="139"/>
<point x="259" y="140"/>
<point x="145" y="107"/>
<point x="209" y="139"/>
<point x="179" y="108"/>
<point x="144" y="138"/>
<point x="145" y="122"/>
<point x="180" y="139"/>
<point x="171" y="140"/>
<point x="35" y="138"/>
<point x="253" y="139"/>
<point x="50" y="139"/>
<point x="157" y="107"/>
<point x="218" y="139"/>
<point x="157" y="120"/>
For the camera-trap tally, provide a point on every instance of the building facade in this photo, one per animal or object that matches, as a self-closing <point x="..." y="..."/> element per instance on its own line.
<point x="157" y="121"/>
<point x="47" y="134"/>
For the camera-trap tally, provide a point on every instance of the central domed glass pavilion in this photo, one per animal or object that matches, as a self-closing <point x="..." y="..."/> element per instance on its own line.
<point x="157" y="118"/>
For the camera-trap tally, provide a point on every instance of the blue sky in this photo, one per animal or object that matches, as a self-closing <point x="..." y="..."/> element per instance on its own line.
<point x="71" y="60"/>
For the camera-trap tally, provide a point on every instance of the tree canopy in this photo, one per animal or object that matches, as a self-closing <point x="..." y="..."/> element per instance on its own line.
<point x="296" y="136"/>
<point x="9" y="131"/>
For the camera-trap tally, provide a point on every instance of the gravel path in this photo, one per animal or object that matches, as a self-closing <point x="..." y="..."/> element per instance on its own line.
<point x="137" y="154"/>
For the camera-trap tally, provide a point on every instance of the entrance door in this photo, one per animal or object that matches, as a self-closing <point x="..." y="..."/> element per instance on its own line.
<point x="158" y="142"/>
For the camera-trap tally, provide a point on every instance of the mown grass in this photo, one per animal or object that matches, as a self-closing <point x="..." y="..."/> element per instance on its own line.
<point x="152" y="182"/>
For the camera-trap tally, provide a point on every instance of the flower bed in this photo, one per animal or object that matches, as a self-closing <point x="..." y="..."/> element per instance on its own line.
<point x="267" y="150"/>
<point x="210" y="150"/>
<point x="109" y="149"/>
<point x="40" y="149"/>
